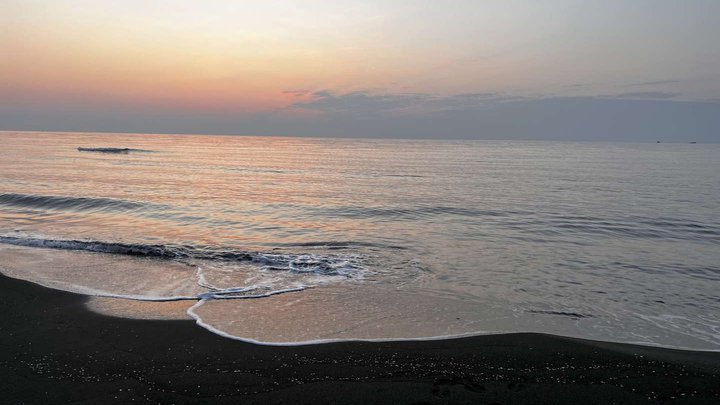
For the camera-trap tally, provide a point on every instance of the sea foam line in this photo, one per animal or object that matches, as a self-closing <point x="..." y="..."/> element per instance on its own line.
<point x="348" y="266"/>
<point x="157" y="251"/>
<point x="198" y="320"/>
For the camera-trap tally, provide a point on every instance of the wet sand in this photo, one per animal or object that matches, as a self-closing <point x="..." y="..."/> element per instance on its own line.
<point x="54" y="350"/>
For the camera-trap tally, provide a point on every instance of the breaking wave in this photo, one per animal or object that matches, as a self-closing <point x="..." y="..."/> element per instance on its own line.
<point x="301" y="263"/>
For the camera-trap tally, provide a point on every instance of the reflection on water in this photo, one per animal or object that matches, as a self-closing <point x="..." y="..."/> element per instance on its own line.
<point x="382" y="238"/>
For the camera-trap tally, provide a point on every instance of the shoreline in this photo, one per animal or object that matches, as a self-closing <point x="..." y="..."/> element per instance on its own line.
<point x="195" y="301"/>
<point x="56" y="350"/>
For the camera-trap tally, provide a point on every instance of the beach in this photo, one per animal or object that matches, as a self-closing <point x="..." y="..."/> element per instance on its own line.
<point x="360" y="202"/>
<point x="56" y="351"/>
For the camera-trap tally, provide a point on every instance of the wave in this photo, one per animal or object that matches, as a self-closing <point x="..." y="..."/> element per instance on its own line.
<point x="26" y="203"/>
<point x="575" y="315"/>
<point x="633" y="227"/>
<point x="302" y="263"/>
<point x="75" y="203"/>
<point x="416" y="176"/>
<point x="339" y="245"/>
<point x="410" y="213"/>
<point x="233" y="293"/>
<point x="545" y="225"/>
<point x="273" y="273"/>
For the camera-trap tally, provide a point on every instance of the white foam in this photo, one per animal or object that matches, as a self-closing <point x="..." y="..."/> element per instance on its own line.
<point x="348" y="266"/>
<point x="201" y="280"/>
<point x="230" y="293"/>
<point x="198" y="320"/>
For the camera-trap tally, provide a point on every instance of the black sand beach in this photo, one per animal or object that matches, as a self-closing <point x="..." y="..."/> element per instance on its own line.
<point x="56" y="351"/>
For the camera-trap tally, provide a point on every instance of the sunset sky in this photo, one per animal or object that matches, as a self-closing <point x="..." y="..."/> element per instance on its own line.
<point x="459" y="69"/>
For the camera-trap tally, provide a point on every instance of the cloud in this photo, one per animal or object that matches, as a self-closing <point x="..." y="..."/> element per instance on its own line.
<point x="654" y="83"/>
<point x="645" y="95"/>
<point x="297" y="93"/>
<point x="639" y="116"/>
<point x="363" y="103"/>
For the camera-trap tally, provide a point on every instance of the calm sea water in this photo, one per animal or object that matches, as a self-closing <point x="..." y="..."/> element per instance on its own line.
<point x="286" y="240"/>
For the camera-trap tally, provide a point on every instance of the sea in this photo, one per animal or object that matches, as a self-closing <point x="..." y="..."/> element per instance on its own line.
<point x="292" y="241"/>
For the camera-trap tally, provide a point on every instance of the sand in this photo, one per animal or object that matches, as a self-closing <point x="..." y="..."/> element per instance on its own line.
<point x="54" y="350"/>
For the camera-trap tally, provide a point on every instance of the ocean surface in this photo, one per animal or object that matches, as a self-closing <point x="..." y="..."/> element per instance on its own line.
<point x="295" y="240"/>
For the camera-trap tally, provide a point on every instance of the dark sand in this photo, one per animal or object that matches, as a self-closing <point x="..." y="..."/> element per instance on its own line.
<point x="54" y="350"/>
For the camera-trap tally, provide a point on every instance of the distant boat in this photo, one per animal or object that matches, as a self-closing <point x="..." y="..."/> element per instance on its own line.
<point x="693" y="142"/>
<point x="112" y="150"/>
<point x="104" y="150"/>
<point x="658" y="141"/>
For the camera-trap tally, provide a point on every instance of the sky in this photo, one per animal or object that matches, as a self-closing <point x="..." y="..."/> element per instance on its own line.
<point x="511" y="69"/>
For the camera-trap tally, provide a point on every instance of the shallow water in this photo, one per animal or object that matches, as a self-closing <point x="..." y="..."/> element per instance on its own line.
<point x="294" y="239"/>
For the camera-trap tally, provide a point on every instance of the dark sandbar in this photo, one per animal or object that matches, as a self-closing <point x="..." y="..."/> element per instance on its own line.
<point x="56" y="351"/>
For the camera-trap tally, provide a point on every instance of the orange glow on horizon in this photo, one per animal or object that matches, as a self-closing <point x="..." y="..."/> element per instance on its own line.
<point x="91" y="57"/>
<point x="222" y="57"/>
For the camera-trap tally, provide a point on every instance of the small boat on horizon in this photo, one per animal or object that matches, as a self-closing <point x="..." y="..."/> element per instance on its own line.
<point x="112" y="150"/>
